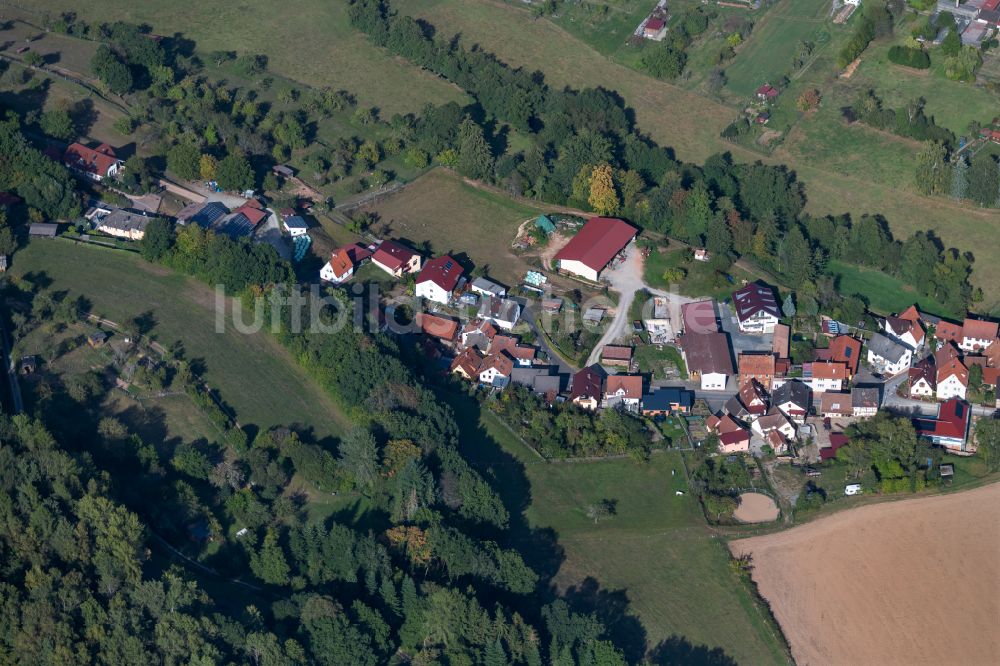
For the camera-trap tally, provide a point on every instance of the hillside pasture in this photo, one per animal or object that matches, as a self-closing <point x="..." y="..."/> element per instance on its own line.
<point x="252" y="372"/>
<point x="312" y="43"/>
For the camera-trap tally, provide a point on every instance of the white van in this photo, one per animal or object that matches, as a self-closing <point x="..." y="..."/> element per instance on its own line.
<point x="852" y="489"/>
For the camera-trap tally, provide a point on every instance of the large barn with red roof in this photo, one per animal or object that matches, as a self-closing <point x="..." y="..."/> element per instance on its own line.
<point x="592" y="249"/>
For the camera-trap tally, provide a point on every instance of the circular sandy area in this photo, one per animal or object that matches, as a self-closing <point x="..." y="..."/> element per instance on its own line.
<point x="756" y="508"/>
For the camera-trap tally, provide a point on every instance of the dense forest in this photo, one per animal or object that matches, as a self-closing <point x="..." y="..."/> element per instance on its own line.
<point x="90" y="510"/>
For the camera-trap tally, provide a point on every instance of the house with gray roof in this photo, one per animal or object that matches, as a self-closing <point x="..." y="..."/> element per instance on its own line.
<point x="887" y="356"/>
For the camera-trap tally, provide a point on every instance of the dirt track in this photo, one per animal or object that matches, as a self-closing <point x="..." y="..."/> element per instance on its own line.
<point x="907" y="582"/>
<point x="756" y="508"/>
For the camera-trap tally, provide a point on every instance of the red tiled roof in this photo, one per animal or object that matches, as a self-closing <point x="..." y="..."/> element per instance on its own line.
<point x="616" y="353"/>
<point x="630" y="384"/>
<point x="779" y="343"/>
<point x="829" y="370"/>
<point x="442" y="271"/>
<point x="469" y="360"/>
<point x="924" y="370"/>
<point x="953" y="367"/>
<point x="979" y="329"/>
<point x="912" y="313"/>
<point x="757" y="364"/>
<point x="846" y="349"/>
<point x="340" y="262"/>
<point x="952" y="421"/>
<point x="92" y="160"/>
<point x="945" y="354"/>
<point x="946" y="330"/>
<point x="437" y="326"/>
<point x="392" y="255"/>
<point x="252" y="211"/>
<point x="501" y="362"/>
<point x="597" y="243"/>
<point x="656" y="24"/>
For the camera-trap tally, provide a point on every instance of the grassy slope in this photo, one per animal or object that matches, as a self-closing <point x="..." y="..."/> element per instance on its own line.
<point x="887" y="294"/>
<point x="311" y="42"/>
<point x="837" y="163"/>
<point x="655" y="559"/>
<point x="253" y="373"/>
<point x="456" y="217"/>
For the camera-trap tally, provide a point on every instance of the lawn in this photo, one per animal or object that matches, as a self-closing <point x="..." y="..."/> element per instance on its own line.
<point x="252" y="372"/>
<point x="455" y="217"/>
<point x="885" y="293"/>
<point x="700" y="279"/>
<point x="312" y="43"/>
<point x="768" y="54"/>
<point x="677" y="581"/>
<point x="651" y="359"/>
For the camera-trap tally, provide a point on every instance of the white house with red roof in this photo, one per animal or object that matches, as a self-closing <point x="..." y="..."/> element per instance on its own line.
<point x="978" y="334"/>
<point x="951" y="427"/>
<point x="438" y="279"/>
<point x="343" y="262"/>
<point x="594" y="246"/>
<point x="95" y="163"/>
<point x="952" y="380"/>
<point x="756" y="308"/>
<point x="395" y="259"/>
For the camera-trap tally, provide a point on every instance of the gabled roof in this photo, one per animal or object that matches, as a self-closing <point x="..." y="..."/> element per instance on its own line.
<point x="597" y="243"/>
<point x="754" y="299"/>
<point x="952" y="421"/>
<point x="924" y="370"/>
<point x="837" y="403"/>
<point x="886" y="348"/>
<point x="92" y="160"/>
<point x="253" y="212"/>
<point x="752" y="392"/>
<point x="945" y="354"/>
<point x="662" y="398"/>
<point x="500" y="362"/>
<point x="794" y="392"/>
<point x="979" y="329"/>
<point x="442" y="271"/>
<point x="392" y="255"/>
<point x="846" y="349"/>
<point x="955" y="368"/>
<point x="469" y="360"/>
<point x="867" y="397"/>
<point x="631" y="385"/>
<point x="779" y="343"/>
<point x="296" y="222"/>
<point x="945" y="330"/>
<point x="482" y="326"/>
<point x="829" y="370"/>
<point x="707" y="353"/>
<point x="910" y="314"/>
<point x="756" y="364"/>
<point x="773" y="419"/>
<point x="616" y="353"/>
<point x="654" y="24"/>
<point x="588" y="384"/>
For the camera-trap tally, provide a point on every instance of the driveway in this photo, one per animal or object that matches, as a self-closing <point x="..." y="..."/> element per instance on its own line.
<point x="740" y="341"/>
<point x="626" y="278"/>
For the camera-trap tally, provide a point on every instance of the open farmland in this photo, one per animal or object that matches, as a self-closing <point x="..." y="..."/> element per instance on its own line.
<point x="312" y="43"/>
<point x="252" y="372"/>
<point x="654" y="572"/>
<point x="908" y="582"/>
<point x="453" y="216"/>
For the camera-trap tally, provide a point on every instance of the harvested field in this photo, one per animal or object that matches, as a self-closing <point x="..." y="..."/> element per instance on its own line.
<point x="908" y="582"/>
<point x="756" y="508"/>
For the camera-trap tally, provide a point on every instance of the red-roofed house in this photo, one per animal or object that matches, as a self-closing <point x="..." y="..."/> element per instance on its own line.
<point x="593" y="248"/>
<point x="654" y="28"/>
<point x="253" y="211"/>
<point x="757" y="366"/>
<point x="952" y="380"/>
<point x="780" y="341"/>
<point x="343" y="261"/>
<point x="978" y="334"/>
<point x="495" y="370"/>
<point x="907" y="331"/>
<point x="395" y="259"/>
<point x="827" y="376"/>
<point x="767" y="92"/>
<point x="624" y="390"/>
<point x="467" y="363"/>
<point x="950" y="428"/>
<point x="756" y="308"/>
<point x="588" y="388"/>
<point x="733" y="437"/>
<point x="438" y="279"/>
<point x="442" y="328"/>
<point x="616" y="355"/>
<point x="948" y="332"/>
<point x="95" y="163"/>
<point x="847" y="350"/>
<point x="923" y="379"/>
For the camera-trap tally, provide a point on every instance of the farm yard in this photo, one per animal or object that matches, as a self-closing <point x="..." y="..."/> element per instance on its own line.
<point x="252" y="372"/>
<point x="833" y="582"/>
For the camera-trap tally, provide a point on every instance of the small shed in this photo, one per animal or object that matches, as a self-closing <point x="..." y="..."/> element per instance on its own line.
<point x="947" y="471"/>
<point x="594" y="315"/>
<point x="28" y="365"/>
<point x="283" y="170"/>
<point x="97" y="339"/>
<point x="43" y="230"/>
<point x="544" y="222"/>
